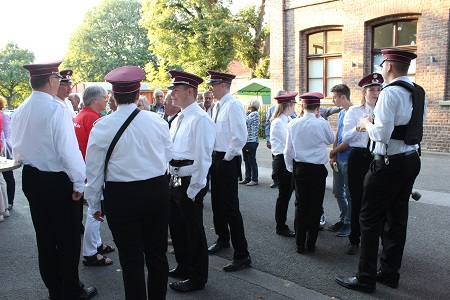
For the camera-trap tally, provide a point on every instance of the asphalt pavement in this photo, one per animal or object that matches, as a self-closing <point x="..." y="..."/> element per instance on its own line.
<point x="277" y="272"/>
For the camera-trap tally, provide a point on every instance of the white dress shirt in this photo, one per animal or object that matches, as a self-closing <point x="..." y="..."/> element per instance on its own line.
<point x="43" y="137"/>
<point x="307" y="140"/>
<point x="394" y="107"/>
<point x="231" y="127"/>
<point x="67" y="104"/>
<point x="194" y="140"/>
<point x="141" y="153"/>
<point x="278" y="134"/>
<point x="353" y="116"/>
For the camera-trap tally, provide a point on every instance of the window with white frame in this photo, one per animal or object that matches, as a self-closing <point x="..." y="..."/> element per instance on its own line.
<point x="324" y="61"/>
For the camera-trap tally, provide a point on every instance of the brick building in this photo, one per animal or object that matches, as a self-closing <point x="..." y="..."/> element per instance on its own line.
<point x="316" y="44"/>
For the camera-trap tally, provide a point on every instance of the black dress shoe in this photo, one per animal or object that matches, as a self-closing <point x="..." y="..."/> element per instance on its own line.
<point x="217" y="247"/>
<point x="87" y="293"/>
<point x="300" y="249"/>
<point x="286" y="232"/>
<point x="274" y="185"/>
<point x="352" y="249"/>
<point x="178" y="273"/>
<point x="387" y="279"/>
<point x="186" y="286"/>
<point x="238" y="264"/>
<point x="352" y="283"/>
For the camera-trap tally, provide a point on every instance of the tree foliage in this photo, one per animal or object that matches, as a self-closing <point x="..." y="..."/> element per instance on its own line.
<point x="13" y="77"/>
<point x="250" y="42"/>
<point x="109" y="37"/>
<point x="194" y="35"/>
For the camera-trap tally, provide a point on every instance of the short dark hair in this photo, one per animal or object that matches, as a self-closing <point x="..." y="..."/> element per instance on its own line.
<point x="186" y="87"/>
<point x="342" y="89"/>
<point x="127" y="98"/>
<point x="311" y="106"/>
<point x="38" y="82"/>
<point x="400" y="67"/>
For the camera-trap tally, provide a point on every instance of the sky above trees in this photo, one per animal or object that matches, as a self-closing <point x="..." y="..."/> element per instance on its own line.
<point x="27" y="24"/>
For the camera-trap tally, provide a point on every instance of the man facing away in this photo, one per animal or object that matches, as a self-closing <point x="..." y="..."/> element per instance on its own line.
<point x="231" y="136"/>
<point x="193" y="137"/>
<point x="390" y="179"/>
<point x="136" y="172"/>
<point x="52" y="180"/>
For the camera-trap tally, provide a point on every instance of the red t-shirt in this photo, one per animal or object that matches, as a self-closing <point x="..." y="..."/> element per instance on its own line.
<point x="83" y="124"/>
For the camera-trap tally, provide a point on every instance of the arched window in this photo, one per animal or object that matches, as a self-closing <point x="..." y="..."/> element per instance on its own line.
<point x="324" y="60"/>
<point x="401" y="35"/>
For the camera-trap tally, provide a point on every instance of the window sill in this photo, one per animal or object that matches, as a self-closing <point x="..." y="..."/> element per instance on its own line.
<point x="444" y="103"/>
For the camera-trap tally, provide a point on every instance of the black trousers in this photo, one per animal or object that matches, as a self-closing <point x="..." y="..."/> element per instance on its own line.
<point x="187" y="231"/>
<point x="56" y="219"/>
<point x="310" y="181"/>
<point x="358" y="165"/>
<point x="227" y="217"/>
<point x="138" y="216"/>
<point x="285" y="190"/>
<point x="385" y="208"/>
<point x="10" y="185"/>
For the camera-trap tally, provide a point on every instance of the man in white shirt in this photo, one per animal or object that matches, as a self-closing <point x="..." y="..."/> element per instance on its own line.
<point x="390" y="179"/>
<point x="193" y="138"/>
<point x="208" y="102"/>
<point x="136" y="172"/>
<point x="231" y="136"/>
<point x="305" y="156"/>
<point x="65" y="87"/>
<point x="53" y="177"/>
<point x="171" y="111"/>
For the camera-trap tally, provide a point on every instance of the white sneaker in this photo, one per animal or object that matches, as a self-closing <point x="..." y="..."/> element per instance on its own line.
<point x="2" y="218"/>
<point x="252" y="183"/>
<point x="6" y="213"/>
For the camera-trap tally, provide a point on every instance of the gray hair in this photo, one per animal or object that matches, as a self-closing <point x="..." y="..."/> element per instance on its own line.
<point x="145" y="103"/>
<point x="254" y="103"/>
<point x="93" y="92"/>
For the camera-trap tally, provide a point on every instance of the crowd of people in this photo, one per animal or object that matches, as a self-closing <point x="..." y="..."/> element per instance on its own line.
<point x="189" y="140"/>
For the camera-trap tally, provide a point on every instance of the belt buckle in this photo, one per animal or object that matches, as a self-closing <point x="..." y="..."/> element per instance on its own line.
<point x="386" y="160"/>
<point x="176" y="180"/>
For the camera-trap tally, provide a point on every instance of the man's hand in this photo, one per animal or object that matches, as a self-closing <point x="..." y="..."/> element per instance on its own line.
<point x="98" y="216"/>
<point x="363" y="123"/>
<point x="268" y="145"/>
<point x="76" y="196"/>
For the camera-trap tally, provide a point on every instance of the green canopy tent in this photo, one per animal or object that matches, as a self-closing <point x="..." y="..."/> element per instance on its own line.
<point x="256" y="88"/>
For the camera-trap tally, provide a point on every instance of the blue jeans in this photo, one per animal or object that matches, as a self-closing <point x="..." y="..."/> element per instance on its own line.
<point x="341" y="192"/>
<point x="249" y="154"/>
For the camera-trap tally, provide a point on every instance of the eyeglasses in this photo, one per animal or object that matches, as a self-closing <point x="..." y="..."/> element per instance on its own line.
<point x="215" y="83"/>
<point x="381" y="65"/>
<point x="57" y="76"/>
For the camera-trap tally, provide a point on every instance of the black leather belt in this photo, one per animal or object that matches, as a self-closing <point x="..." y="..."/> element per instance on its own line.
<point x="395" y="156"/>
<point x="360" y="149"/>
<point x="180" y="163"/>
<point x="278" y="155"/>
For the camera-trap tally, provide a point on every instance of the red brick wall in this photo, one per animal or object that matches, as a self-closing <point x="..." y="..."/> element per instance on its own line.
<point x="291" y="21"/>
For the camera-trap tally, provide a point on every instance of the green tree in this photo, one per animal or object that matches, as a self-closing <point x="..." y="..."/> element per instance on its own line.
<point x="195" y="35"/>
<point x="13" y="78"/>
<point x="250" y="46"/>
<point x="109" y="37"/>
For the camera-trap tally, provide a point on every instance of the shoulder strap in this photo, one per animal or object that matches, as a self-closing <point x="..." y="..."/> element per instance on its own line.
<point x="117" y="137"/>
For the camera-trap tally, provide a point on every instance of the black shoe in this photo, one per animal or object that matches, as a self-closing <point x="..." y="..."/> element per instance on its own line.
<point x="87" y="293"/>
<point x="186" y="286"/>
<point x="300" y="249"/>
<point x="336" y="227"/>
<point x="286" y="232"/>
<point x="352" y="249"/>
<point x="352" y="283"/>
<point x="274" y="185"/>
<point x="238" y="264"/>
<point x="213" y="249"/>
<point x="386" y="279"/>
<point x="10" y="206"/>
<point x="178" y="273"/>
<point x="311" y="249"/>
